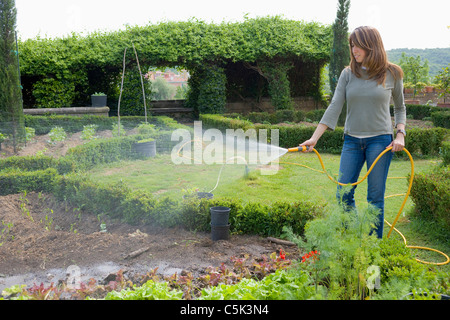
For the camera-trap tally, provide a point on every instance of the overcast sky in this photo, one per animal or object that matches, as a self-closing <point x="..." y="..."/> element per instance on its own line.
<point x="402" y="23"/>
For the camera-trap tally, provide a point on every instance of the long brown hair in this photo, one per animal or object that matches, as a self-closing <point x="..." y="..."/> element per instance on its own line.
<point x="376" y="61"/>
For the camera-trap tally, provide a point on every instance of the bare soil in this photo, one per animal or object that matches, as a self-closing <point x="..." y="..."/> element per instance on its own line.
<point x="41" y="239"/>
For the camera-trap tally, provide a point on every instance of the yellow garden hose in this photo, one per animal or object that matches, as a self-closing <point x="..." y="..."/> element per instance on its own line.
<point x="303" y="148"/>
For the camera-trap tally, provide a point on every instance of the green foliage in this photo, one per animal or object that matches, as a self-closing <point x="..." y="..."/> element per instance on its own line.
<point x="89" y="131"/>
<point x="415" y="71"/>
<point x="11" y="113"/>
<point x="431" y="195"/>
<point x="425" y="141"/>
<point x="16" y="180"/>
<point x="161" y="89"/>
<point x="445" y="152"/>
<point x="276" y="73"/>
<point x="419" y="141"/>
<point x="443" y="81"/>
<point x="34" y="163"/>
<point x="102" y="151"/>
<point x="441" y="119"/>
<point x="118" y="130"/>
<point x="146" y="128"/>
<point x="419" y="111"/>
<point x="57" y="134"/>
<point x="51" y="93"/>
<point x="132" y="101"/>
<point x="402" y="277"/>
<point x="148" y="291"/>
<point x="281" y="285"/>
<point x="437" y="57"/>
<point x="29" y="133"/>
<point x="346" y="250"/>
<point x="207" y="90"/>
<point x="84" y="65"/>
<point x="340" y="54"/>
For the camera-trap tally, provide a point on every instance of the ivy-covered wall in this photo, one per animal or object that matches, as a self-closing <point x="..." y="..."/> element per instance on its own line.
<point x="250" y="59"/>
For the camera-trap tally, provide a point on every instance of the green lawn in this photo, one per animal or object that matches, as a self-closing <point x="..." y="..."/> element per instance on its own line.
<point x="288" y="181"/>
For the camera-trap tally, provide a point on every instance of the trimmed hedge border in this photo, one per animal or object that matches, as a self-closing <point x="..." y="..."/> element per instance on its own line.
<point x="431" y="195"/>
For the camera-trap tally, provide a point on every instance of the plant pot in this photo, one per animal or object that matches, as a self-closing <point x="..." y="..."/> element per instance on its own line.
<point x="444" y="105"/>
<point x="98" y="101"/>
<point x="220" y="232"/>
<point x="147" y="149"/>
<point x="219" y="216"/>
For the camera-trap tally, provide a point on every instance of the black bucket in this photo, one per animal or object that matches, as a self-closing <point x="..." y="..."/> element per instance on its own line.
<point x="148" y="149"/>
<point x="219" y="216"/>
<point x="220" y="232"/>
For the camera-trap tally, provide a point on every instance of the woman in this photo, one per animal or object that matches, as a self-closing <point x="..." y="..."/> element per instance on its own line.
<point x="367" y="85"/>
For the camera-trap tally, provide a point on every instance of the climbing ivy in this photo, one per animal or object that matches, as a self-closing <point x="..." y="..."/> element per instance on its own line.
<point x="208" y="88"/>
<point x="276" y="73"/>
<point x="93" y="63"/>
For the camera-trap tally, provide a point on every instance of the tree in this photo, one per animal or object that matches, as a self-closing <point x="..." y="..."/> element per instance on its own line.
<point x="415" y="71"/>
<point x="161" y="89"/>
<point x="11" y="111"/>
<point x="443" y="81"/>
<point x="340" y="54"/>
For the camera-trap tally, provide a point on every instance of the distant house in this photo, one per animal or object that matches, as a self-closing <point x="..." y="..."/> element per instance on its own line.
<point x="179" y="79"/>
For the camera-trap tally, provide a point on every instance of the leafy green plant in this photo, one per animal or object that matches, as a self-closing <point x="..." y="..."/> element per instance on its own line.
<point x="57" y="134"/>
<point x="29" y="133"/>
<point x="280" y="285"/>
<point x="5" y="230"/>
<point x="148" y="291"/>
<point x="276" y="72"/>
<point x="346" y="251"/>
<point x="146" y="140"/>
<point x="116" y="132"/>
<point x="89" y="131"/>
<point x="146" y="128"/>
<point x="443" y="82"/>
<point x="52" y="92"/>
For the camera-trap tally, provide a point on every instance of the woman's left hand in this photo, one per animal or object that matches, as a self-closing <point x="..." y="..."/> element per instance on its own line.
<point x="398" y="144"/>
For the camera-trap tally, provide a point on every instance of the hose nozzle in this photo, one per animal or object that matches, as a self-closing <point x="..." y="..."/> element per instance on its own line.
<point x="299" y="148"/>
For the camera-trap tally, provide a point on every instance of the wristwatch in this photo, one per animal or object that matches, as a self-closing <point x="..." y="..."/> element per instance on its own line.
<point x="402" y="131"/>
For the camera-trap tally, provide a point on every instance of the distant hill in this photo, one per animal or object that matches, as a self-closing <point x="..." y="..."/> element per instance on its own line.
<point x="438" y="58"/>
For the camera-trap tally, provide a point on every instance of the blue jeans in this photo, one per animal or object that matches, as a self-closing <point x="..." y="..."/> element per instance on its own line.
<point x="355" y="152"/>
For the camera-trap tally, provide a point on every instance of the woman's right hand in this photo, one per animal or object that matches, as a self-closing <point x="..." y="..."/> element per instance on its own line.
<point x="310" y="144"/>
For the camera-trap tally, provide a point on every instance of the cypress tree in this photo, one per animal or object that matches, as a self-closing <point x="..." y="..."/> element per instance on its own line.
<point x="340" y="54"/>
<point x="11" y="110"/>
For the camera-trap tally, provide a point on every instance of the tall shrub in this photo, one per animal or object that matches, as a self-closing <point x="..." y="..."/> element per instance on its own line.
<point x="207" y="90"/>
<point x="340" y="54"/>
<point x="132" y="103"/>
<point x="11" y="112"/>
